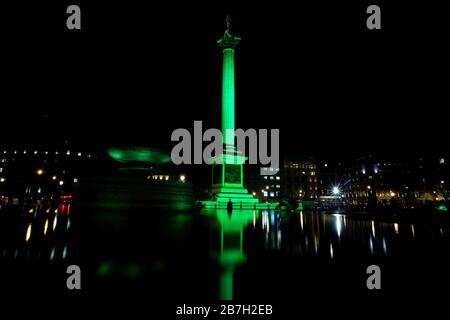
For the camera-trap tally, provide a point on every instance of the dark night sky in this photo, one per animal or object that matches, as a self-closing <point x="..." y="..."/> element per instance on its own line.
<point x="134" y="73"/>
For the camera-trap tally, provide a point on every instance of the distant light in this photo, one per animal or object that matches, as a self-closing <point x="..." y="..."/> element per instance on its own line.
<point x="75" y="180"/>
<point x="35" y="152"/>
<point x="325" y="165"/>
<point x="40" y="172"/>
<point x="28" y="235"/>
<point x="46" y="227"/>
<point x="68" y="152"/>
<point x="392" y="194"/>
<point x="2" y="179"/>
<point x="442" y="181"/>
<point x="182" y="178"/>
<point x="254" y="193"/>
<point x="336" y="191"/>
<point x="267" y="187"/>
<point x="441" y="161"/>
<point x="396" y="228"/>
<point x="46" y="152"/>
<point x="54" y="178"/>
<point x="24" y="151"/>
<point x="167" y="178"/>
<point x="79" y="154"/>
<point x="61" y="183"/>
<point x="369" y="187"/>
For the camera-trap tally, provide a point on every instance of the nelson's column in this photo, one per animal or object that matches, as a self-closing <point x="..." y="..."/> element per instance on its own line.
<point x="227" y="168"/>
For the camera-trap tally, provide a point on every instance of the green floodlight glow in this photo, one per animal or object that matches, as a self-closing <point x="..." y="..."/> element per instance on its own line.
<point x="442" y="207"/>
<point x="137" y="154"/>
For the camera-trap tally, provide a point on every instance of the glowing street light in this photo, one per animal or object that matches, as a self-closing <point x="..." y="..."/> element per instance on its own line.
<point x="182" y="178"/>
<point x="54" y="178"/>
<point x="335" y="191"/>
<point x="40" y="172"/>
<point x="61" y="182"/>
<point x="2" y="179"/>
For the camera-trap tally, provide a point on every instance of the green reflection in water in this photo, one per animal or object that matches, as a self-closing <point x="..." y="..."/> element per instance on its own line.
<point x="128" y="270"/>
<point x="230" y="253"/>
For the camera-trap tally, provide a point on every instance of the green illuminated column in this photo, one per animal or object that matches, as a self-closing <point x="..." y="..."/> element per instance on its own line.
<point x="228" y="97"/>
<point x="228" y="42"/>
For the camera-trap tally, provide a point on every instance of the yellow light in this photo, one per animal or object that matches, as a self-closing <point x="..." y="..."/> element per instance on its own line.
<point x="396" y="228"/>
<point x="267" y="187"/>
<point x="392" y="194"/>
<point x="54" y="178"/>
<point x="45" y="227"/>
<point x="47" y="211"/>
<point x="40" y="172"/>
<point x="31" y="210"/>
<point x="28" y="235"/>
<point x="182" y="178"/>
<point x="2" y="179"/>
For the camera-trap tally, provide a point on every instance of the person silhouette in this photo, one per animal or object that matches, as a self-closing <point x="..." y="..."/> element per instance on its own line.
<point x="229" y="205"/>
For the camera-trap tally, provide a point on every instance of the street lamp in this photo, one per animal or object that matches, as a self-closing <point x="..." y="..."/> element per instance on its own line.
<point x="40" y="172"/>
<point x="335" y="191"/>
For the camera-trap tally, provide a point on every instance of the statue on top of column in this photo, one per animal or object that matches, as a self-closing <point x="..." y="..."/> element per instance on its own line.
<point x="228" y="40"/>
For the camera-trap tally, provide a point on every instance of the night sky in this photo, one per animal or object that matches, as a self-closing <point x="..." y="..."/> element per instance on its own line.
<point x="136" y="72"/>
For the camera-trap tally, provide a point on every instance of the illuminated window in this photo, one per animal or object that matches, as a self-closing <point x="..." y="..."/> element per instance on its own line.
<point x="272" y="194"/>
<point x="271" y="178"/>
<point x="441" y="160"/>
<point x="1" y="169"/>
<point x="265" y="193"/>
<point x="265" y="177"/>
<point x="79" y="154"/>
<point x="278" y="178"/>
<point x="68" y="152"/>
<point x="278" y="186"/>
<point x="35" y="152"/>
